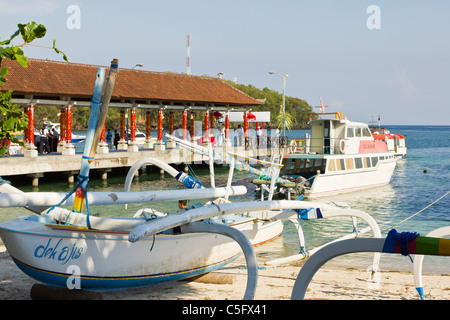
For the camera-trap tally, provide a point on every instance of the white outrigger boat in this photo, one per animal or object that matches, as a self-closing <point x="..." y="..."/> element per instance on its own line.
<point x="340" y="156"/>
<point x="48" y="246"/>
<point x="68" y="248"/>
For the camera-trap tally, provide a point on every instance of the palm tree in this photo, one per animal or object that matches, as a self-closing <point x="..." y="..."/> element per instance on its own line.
<point x="288" y="119"/>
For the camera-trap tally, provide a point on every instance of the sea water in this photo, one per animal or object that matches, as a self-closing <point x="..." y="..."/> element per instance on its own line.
<point x="420" y="178"/>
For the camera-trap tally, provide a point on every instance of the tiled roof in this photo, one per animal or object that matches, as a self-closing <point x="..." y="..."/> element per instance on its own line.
<point x="62" y="79"/>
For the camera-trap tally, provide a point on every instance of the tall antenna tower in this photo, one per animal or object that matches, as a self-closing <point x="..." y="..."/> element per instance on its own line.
<point x="188" y="59"/>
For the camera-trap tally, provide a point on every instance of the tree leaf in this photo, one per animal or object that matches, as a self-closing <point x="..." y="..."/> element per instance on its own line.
<point x="6" y="42"/>
<point x="59" y="51"/>
<point x="21" y="59"/>
<point x="31" y="31"/>
<point x="9" y="124"/>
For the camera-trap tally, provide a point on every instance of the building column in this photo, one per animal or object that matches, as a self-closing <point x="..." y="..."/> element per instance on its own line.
<point x="159" y="145"/>
<point x="246" y="140"/>
<point x="227" y="130"/>
<point x="122" y="145"/>
<point x="184" y="124"/>
<point x="148" y="130"/>
<point x="193" y="127"/>
<point x="171" y="144"/>
<point x="62" y="129"/>
<point x="102" y="145"/>
<point x="68" y="149"/>
<point x="30" y="149"/>
<point x="206" y="133"/>
<point x="133" y="147"/>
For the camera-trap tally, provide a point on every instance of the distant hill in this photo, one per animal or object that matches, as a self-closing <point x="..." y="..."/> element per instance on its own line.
<point x="296" y="108"/>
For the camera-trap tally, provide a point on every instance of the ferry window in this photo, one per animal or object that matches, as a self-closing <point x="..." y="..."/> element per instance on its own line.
<point x="290" y="164"/>
<point x="302" y="163"/>
<point x="358" y="132"/>
<point x="309" y="163"/>
<point x="368" y="162"/>
<point x="318" y="162"/>
<point x="342" y="164"/>
<point x="350" y="132"/>
<point x="374" y="161"/>
<point x="349" y="164"/>
<point x="382" y="158"/>
<point x="366" y="132"/>
<point x="331" y="165"/>
<point x="358" y="163"/>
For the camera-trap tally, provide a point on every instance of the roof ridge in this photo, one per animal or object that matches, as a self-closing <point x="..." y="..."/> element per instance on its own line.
<point x="128" y="69"/>
<point x="241" y="92"/>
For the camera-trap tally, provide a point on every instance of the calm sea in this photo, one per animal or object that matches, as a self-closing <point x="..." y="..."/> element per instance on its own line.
<point x="419" y="179"/>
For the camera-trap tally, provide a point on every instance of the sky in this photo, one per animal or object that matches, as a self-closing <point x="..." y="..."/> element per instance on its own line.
<point x="390" y="60"/>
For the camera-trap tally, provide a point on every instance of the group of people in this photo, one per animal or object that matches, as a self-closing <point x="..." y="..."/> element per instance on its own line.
<point x="47" y="140"/>
<point x="112" y="138"/>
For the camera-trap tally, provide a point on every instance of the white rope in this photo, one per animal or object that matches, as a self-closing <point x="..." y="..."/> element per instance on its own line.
<point x="415" y="214"/>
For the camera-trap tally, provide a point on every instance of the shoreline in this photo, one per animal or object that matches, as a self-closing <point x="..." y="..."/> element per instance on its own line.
<point x="274" y="283"/>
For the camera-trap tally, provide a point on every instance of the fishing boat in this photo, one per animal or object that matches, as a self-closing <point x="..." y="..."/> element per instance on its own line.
<point x="340" y="156"/>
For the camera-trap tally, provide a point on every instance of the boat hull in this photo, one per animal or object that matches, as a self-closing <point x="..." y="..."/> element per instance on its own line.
<point x="349" y="181"/>
<point x="59" y="255"/>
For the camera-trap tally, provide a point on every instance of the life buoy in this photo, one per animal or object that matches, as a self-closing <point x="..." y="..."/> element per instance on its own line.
<point x="342" y="146"/>
<point x="293" y="146"/>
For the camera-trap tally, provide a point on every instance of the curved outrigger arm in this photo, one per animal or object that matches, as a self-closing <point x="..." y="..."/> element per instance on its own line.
<point x="393" y="243"/>
<point x="241" y="239"/>
<point x="320" y="211"/>
<point x="265" y="210"/>
<point x="418" y="260"/>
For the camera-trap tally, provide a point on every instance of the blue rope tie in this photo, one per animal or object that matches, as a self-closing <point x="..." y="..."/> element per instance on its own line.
<point x="81" y="180"/>
<point x="402" y="239"/>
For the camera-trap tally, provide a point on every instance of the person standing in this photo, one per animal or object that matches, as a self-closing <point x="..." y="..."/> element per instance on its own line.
<point x="109" y="138"/>
<point x="240" y="131"/>
<point x="55" y="140"/>
<point x="116" y="139"/>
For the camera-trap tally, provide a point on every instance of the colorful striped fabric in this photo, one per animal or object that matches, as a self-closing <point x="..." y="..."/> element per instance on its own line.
<point x="408" y="243"/>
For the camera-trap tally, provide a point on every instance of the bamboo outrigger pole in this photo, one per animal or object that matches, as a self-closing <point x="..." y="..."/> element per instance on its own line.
<point x="99" y="109"/>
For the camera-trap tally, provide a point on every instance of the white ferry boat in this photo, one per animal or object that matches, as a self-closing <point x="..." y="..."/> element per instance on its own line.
<point x="340" y="156"/>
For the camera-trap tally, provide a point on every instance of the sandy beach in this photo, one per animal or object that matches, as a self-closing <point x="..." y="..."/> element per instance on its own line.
<point x="274" y="283"/>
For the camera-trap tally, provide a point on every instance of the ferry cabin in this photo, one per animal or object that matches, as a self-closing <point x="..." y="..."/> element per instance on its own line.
<point x="340" y="156"/>
<point x="395" y="142"/>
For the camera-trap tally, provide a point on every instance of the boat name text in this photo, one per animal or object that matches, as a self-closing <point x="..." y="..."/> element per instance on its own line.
<point x="53" y="251"/>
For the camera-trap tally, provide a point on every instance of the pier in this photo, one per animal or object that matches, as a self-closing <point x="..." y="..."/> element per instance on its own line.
<point x="70" y="85"/>
<point x="36" y="168"/>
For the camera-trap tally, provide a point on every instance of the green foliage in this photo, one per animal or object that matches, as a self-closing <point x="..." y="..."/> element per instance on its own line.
<point x="12" y="117"/>
<point x="12" y="120"/>
<point x="297" y="110"/>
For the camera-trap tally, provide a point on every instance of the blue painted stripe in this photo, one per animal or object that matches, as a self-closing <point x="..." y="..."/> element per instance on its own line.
<point x="108" y="283"/>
